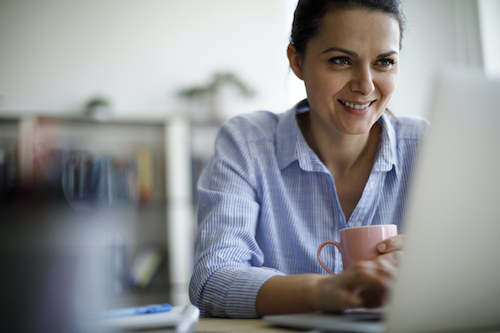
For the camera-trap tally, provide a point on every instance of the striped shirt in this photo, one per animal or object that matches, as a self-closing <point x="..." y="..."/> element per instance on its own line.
<point x="266" y="202"/>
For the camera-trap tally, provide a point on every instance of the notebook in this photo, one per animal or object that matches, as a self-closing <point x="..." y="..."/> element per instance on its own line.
<point x="449" y="279"/>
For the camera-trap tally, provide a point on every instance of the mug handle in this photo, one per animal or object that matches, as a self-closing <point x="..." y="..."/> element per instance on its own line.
<point x="319" y="254"/>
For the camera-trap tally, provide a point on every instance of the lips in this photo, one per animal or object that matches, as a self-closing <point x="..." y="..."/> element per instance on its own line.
<point x="356" y="106"/>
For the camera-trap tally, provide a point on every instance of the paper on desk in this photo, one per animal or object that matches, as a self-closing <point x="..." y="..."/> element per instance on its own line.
<point x="181" y="317"/>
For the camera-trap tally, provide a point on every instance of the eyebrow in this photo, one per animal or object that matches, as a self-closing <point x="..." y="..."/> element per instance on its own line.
<point x="383" y="55"/>
<point x="354" y="54"/>
<point x="339" y="49"/>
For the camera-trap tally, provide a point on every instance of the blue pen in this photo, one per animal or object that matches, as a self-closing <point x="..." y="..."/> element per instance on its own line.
<point x="140" y="310"/>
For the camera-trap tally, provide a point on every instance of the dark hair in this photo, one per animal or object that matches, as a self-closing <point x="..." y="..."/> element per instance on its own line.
<point x="309" y="13"/>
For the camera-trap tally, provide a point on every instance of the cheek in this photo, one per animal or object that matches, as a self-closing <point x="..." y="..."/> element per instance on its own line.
<point x="388" y="84"/>
<point x="315" y="86"/>
<point x="324" y="84"/>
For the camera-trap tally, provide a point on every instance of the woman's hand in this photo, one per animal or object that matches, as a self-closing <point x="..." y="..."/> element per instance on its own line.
<point x="364" y="284"/>
<point x="391" y="249"/>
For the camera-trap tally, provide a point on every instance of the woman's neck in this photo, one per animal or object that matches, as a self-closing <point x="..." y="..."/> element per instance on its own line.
<point x="342" y="153"/>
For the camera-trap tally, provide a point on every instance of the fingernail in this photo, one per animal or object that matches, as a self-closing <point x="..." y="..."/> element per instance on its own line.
<point x="381" y="247"/>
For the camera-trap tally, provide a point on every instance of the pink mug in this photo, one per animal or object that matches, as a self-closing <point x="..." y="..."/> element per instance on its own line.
<point x="359" y="243"/>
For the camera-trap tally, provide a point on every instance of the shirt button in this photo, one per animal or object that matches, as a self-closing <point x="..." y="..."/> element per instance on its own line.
<point x="358" y="223"/>
<point x="372" y="184"/>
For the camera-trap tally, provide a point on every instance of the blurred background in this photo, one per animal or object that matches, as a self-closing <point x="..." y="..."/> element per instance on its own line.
<point x="56" y="54"/>
<point x="116" y="103"/>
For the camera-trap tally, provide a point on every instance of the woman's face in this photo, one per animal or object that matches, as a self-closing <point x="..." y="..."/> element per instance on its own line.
<point x="350" y="69"/>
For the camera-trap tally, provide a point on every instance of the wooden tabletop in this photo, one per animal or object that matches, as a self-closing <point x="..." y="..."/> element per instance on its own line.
<point x="220" y="325"/>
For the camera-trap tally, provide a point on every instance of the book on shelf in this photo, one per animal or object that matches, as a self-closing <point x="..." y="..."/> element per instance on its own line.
<point x="9" y="176"/>
<point x="144" y="174"/>
<point x="145" y="266"/>
<point x="101" y="180"/>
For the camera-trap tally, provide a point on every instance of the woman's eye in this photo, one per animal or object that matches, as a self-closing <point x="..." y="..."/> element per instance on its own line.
<point x="339" y="61"/>
<point x="386" y="62"/>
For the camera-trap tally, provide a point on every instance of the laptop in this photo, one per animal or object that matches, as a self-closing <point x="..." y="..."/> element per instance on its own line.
<point x="449" y="278"/>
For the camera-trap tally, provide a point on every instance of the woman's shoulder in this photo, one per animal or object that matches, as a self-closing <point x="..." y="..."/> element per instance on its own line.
<point x="410" y="127"/>
<point x="254" y="126"/>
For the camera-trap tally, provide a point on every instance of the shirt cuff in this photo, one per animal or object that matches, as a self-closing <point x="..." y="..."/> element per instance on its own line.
<point x="243" y="291"/>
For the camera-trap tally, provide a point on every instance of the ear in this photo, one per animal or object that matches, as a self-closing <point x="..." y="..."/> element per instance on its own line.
<point x="295" y="60"/>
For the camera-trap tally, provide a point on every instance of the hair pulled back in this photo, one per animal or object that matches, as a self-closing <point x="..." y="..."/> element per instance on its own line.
<point x="309" y="13"/>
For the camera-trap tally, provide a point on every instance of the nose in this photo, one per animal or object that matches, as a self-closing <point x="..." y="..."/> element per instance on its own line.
<point x="362" y="81"/>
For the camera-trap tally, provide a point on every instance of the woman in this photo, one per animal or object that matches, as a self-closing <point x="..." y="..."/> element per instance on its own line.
<point x="280" y="185"/>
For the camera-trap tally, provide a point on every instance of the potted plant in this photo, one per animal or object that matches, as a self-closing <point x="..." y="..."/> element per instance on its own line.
<point x="209" y="96"/>
<point x="98" y="108"/>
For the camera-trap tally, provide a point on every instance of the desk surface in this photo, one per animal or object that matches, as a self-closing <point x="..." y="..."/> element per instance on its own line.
<point x="219" y="325"/>
<point x="222" y="325"/>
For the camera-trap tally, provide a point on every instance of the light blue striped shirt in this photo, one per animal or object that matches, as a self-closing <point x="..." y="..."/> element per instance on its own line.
<point x="267" y="202"/>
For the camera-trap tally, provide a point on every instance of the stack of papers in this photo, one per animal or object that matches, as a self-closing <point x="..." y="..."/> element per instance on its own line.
<point x="182" y="318"/>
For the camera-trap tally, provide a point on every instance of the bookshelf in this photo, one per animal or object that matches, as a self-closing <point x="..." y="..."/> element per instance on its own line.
<point x="140" y="169"/>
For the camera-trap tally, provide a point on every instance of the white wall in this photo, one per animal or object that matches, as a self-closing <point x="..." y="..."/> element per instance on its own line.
<point x="489" y="11"/>
<point x="435" y="37"/>
<point x="58" y="53"/>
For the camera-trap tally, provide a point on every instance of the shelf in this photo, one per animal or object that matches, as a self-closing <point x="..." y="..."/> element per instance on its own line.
<point x="165" y="218"/>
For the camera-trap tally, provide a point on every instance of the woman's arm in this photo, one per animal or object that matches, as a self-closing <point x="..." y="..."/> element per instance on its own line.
<point x="228" y="265"/>
<point x="365" y="284"/>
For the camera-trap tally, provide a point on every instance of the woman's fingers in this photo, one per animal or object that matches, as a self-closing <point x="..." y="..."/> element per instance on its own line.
<point x="394" y="258"/>
<point x="391" y="244"/>
<point x="376" y="274"/>
<point x="390" y="250"/>
<point x="365" y="284"/>
<point x="333" y="296"/>
<point x="374" y="280"/>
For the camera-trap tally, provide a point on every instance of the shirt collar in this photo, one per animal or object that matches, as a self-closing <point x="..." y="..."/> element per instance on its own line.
<point x="292" y="146"/>
<point x="386" y="157"/>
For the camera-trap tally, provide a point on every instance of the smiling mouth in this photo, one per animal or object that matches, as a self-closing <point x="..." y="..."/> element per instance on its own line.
<point x="356" y="106"/>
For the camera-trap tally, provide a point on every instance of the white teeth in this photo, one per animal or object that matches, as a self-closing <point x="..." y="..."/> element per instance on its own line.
<point x="356" y="106"/>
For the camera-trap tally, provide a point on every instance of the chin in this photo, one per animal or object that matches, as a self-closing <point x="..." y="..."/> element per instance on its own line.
<point x="359" y="127"/>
